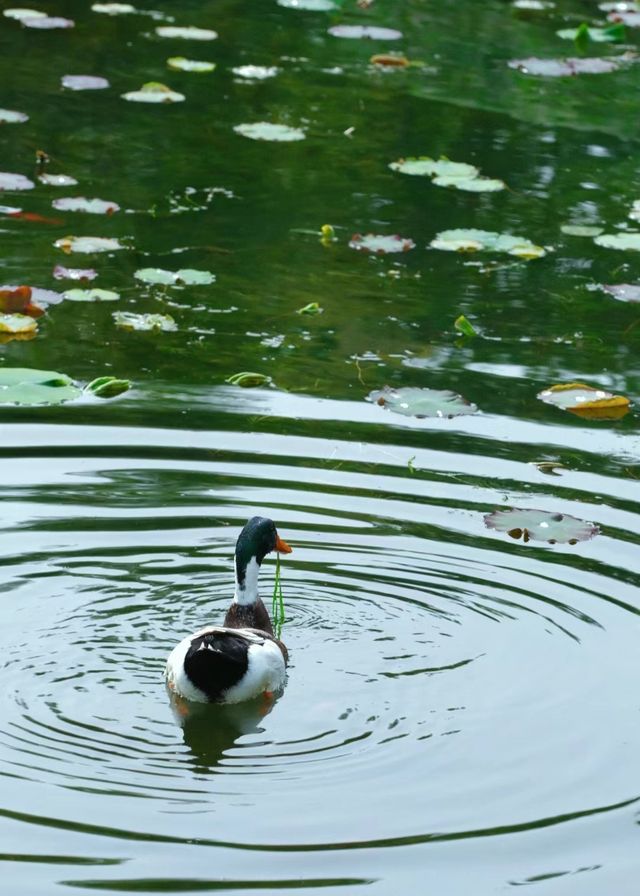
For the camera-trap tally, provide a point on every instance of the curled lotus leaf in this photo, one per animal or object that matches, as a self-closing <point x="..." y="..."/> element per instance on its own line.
<point x="248" y="379"/>
<point x="586" y="401"/>
<point x="114" y="9"/>
<point x="90" y="295"/>
<point x="57" y="180"/>
<point x="47" y="23"/>
<point x="265" y="130"/>
<point x="612" y="34"/>
<point x="180" y="64"/>
<point x="418" y="402"/>
<point x="159" y="323"/>
<point x="153" y="92"/>
<point x="185" y="276"/>
<point x="84" y="82"/>
<point x="541" y="525"/>
<point x="88" y="244"/>
<point x="22" y="385"/>
<point x="562" y="68"/>
<point x="17" y="323"/>
<point x="472" y="240"/>
<point x="60" y="272"/>
<point x="370" y="32"/>
<point x="81" y="204"/>
<point x="309" y="5"/>
<point x="107" y="387"/>
<point x="9" y="116"/>
<point x="381" y="244"/>
<point x="623" y="292"/>
<point x="425" y="165"/>
<point x="624" y="240"/>
<point x="186" y="32"/>
<point x="255" y="72"/>
<point x="10" y="181"/>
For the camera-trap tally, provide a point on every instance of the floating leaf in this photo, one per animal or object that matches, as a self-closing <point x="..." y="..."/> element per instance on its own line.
<point x="179" y="63"/>
<point x="84" y="82"/>
<point x="533" y="4"/>
<point x="80" y="204"/>
<point x="248" y="379"/>
<point x="90" y="295"/>
<point x="62" y="273"/>
<point x="114" y="9"/>
<point x="107" y="386"/>
<point x="626" y="240"/>
<point x="309" y="5"/>
<point x="88" y="244"/>
<point x="380" y="244"/>
<point x="587" y="401"/>
<point x="265" y="130"/>
<point x="371" y="32"/>
<point x="18" y="300"/>
<point x="15" y="182"/>
<point x="416" y="402"/>
<point x="57" y="180"/>
<point x="464" y="326"/>
<point x="188" y="32"/>
<point x="153" y="92"/>
<point x="623" y="292"/>
<point x="580" y="230"/>
<point x="426" y="166"/>
<point x="157" y="322"/>
<point x="486" y="240"/>
<point x="559" y="68"/>
<point x="541" y="525"/>
<point x="47" y="23"/>
<point x="311" y="308"/>
<point x="17" y="323"/>
<point x="389" y="60"/>
<point x="255" y="72"/>
<point x="629" y="16"/>
<point x="613" y="34"/>
<point x="20" y="14"/>
<point x="21" y="385"/>
<point x="8" y="116"/>
<point x="471" y="184"/>
<point x="185" y="276"/>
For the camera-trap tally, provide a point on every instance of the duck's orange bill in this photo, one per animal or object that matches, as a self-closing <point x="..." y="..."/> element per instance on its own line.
<point x="282" y="546"/>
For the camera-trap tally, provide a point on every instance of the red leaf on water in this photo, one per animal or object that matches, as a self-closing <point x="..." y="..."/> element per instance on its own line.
<point x="18" y="301"/>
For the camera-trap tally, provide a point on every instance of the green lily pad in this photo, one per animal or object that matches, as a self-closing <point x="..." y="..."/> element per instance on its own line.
<point x="186" y="32"/>
<point x="22" y="385"/>
<point x="17" y="323"/>
<point x="309" y="5"/>
<point x="19" y="14"/>
<point x="624" y="240"/>
<point x="255" y="72"/>
<point x="114" y="9"/>
<point x="179" y="63"/>
<point x="57" y="180"/>
<point x="581" y="230"/>
<point x="563" y="68"/>
<point x="426" y="166"/>
<point x="487" y="241"/>
<point x="185" y="276"/>
<point x="9" y="181"/>
<point x="80" y="204"/>
<point x="161" y="323"/>
<point x="416" y="402"/>
<point x="248" y="379"/>
<point x="612" y="34"/>
<point x="8" y="116"/>
<point x="265" y="130"/>
<point x="623" y="292"/>
<point x="153" y="92"/>
<point x="88" y="244"/>
<point x="90" y="295"/>
<point x="369" y="32"/>
<point x="586" y="401"/>
<point x="471" y="184"/>
<point x="380" y="244"/>
<point x="541" y="525"/>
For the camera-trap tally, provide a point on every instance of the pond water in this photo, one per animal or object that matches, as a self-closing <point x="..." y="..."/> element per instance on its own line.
<point x="462" y="708"/>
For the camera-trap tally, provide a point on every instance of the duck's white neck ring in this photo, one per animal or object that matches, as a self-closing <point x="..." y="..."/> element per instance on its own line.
<point x="246" y="592"/>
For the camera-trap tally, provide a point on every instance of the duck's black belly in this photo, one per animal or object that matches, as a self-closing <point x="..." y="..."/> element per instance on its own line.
<point x="217" y="661"/>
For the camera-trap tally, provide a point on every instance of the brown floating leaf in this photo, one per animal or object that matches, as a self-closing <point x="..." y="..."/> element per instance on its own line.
<point x="388" y="59"/>
<point x="18" y="301"/>
<point x="586" y="401"/>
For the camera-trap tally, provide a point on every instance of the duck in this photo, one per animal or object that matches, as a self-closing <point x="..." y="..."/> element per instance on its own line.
<point x="242" y="658"/>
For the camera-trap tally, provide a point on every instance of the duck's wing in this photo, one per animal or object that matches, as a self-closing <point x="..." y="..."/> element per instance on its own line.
<point x="218" y="658"/>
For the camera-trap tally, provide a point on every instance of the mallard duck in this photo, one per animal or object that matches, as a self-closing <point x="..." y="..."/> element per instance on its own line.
<point x="241" y="658"/>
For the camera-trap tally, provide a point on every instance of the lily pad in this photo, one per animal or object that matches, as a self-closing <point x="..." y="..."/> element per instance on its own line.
<point x="20" y="14"/>
<point x="265" y="130"/>
<point x="22" y="385"/>
<point x="630" y="17"/>
<point x="371" y="32"/>
<point x="126" y="320"/>
<point x="60" y="272"/>
<point x="541" y="525"/>
<point x="84" y="82"/>
<point x="47" y="23"/>
<point x="80" y="204"/>
<point x="561" y="68"/>
<point x="626" y="240"/>
<point x="179" y="63"/>
<point x="8" y="116"/>
<point x="188" y="32"/>
<point x="486" y="240"/>
<point x="471" y="184"/>
<point x="153" y="92"/>
<point x="612" y="34"/>
<point x="57" y="180"/>
<point x="17" y="323"/>
<point x="623" y="292"/>
<point x="416" y="402"/>
<point x="90" y="295"/>
<point x="380" y="244"/>
<point x="581" y="230"/>
<point x="426" y="166"/>
<point x="586" y="401"/>
<point x="248" y="379"/>
<point x="10" y="181"/>
<point x="114" y="9"/>
<point x="185" y="276"/>
<point x="309" y="5"/>
<point x="255" y="72"/>
<point x="88" y="244"/>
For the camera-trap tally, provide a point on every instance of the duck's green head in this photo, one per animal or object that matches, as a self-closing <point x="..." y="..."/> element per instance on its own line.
<point x="258" y="538"/>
